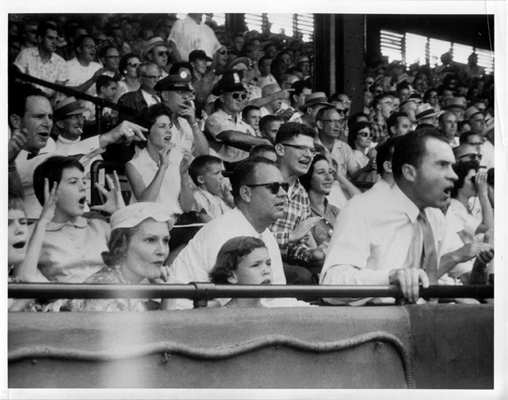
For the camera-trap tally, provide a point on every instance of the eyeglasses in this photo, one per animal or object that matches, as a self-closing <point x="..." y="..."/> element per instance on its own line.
<point x="89" y="46"/>
<point x="340" y="111"/>
<point x="163" y="53"/>
<point x="366" y="135"/>
<point x="237" y="96"/>
<point x="156" y="78"/>
<point x="117" y="57"/>
<point x="223" y="52"/>
<point x="133" y="65"/>
<point x="302" y="149"/>
<point x="476" y="144"/>
<point x="471" y="157"/>
<point x="274" y="187"/>
<point x="334" y="121"/>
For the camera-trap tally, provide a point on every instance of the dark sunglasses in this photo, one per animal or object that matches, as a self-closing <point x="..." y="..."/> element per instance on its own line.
<point x="470" y="156"/>
<point x="133" y="65"/>
<point x="237" y="96"/>
<point x="223" y="52"/>
<point x="163" y="53"/>
<point x="273" y="187"/>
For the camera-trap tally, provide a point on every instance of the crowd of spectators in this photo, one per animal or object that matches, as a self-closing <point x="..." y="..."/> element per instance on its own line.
<point x="224" y="130"/>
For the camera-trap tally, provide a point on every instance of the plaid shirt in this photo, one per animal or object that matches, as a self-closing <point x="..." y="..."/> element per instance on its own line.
<point x="378" y="128"/>
<point x="296" y="210"/>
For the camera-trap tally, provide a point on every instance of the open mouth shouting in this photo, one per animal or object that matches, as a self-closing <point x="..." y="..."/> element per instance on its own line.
<point x="19" y="245"/>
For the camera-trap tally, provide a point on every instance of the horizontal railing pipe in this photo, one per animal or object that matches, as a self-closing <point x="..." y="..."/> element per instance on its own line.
<point x="209" y="291"/>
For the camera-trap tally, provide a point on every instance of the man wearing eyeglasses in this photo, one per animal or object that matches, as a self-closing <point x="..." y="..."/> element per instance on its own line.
<point x="148" y="75"/>
<point x="110" y="58"/>
<point x="294" y="145"/>
<point x="233" y="138"/>
<point x="259" y="191"/>
<point x="83" y="70"/>
<point x="41" y="61"/>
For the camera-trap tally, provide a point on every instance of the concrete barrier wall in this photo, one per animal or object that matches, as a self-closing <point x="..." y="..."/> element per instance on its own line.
<point x="431" y="346"/>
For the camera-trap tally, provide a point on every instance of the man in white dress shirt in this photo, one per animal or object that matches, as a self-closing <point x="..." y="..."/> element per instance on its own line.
<point x="373" y="234"/>
<point x="259" y="191"/>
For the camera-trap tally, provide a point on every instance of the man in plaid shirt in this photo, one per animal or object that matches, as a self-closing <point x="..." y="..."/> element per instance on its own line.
<point x="383" y="107"/>
<point x="294" y="145"/>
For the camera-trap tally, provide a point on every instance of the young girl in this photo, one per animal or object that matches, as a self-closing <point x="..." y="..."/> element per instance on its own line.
<point x="243" y="260"/>
<point x="71" y="245"/>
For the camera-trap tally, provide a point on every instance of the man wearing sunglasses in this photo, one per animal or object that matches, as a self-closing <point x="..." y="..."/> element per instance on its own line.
<point x="157" y="51"/>
<point x="232" y="137"/>
<point x="259" y="191"/>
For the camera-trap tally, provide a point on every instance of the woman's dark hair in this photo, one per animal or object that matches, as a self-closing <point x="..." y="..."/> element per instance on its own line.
<point x="427" y="94"/>
<point x="117" y="246"/>
<point x="305" y="179"/>
<point x="353" y="132"/>
<point x="148" y="117"/>
<point x="230" y="255"/>
<point x="52" y="168"/>
<point x="462" y="168"/>
<point x="122" y="68"/>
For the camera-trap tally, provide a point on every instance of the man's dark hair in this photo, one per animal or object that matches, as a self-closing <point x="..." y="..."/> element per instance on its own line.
<point x="262" y="60"/>
<point x="379" y="98"/>
<point x="248" y="109"/>
<point x="199" y="165"/>
<point x="289" y="130"/>
<point x="463" y="139"/>
<point x="260" y="148"/>
<point x="80" y="39"/>
<point x="103" y="81"/>
<point x="18" y="94"/>
<point x="46" y="26"/>
<point x="52" y="169"/>
<point x="394" y="120"/>
<point x="402" y="85"/>
<point x="410" y="149"/>
<point x="298" y="87"/>
<point x="245" y="172"/>
<point x="268" y="119"/>
<point x="385" y="153"/>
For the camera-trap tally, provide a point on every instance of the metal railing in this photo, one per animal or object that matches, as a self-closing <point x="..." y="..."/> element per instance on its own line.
<point x="202" y="292"/>
<point x="99" y="103"/>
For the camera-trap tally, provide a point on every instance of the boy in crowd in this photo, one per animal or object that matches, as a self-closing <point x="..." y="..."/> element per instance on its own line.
<point x="269" y="125"/>
<point x="264" y="150"/>
<point x="251" y="115"/>
<point x="212" y="197"/>
<point x="106" y="87"/>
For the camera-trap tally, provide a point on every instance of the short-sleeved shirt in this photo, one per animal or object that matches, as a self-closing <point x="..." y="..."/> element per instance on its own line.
<point x="29" y="62"/>
<point x="323" y="230"/>
<point x="219" y="122"/>
<point x="79" y="74"/>
<point x="71" y="251"/>
<point x="213" y="205"/>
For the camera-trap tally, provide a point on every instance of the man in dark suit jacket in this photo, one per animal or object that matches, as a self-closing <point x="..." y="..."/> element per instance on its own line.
<point x="148" y="75"/>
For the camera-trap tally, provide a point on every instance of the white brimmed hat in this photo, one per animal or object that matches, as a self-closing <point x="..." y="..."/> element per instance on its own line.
<point x="134" y="214"/>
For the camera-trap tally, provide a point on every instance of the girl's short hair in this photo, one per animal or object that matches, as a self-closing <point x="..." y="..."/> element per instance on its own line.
<point x="117" y="246"/>
<point x="148" y="118"/>
<point x="230" y="255"/>
<point x="52" y="168"/>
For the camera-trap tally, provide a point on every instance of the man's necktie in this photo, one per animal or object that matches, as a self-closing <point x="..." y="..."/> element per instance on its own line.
<point x="422" y="253"/>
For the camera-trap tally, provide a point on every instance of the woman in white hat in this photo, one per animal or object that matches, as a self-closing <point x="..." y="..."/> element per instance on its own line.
<point x="137" y="250"/>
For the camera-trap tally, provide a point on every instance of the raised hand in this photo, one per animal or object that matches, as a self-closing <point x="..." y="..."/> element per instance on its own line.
<point x="301" y="230"/>
<point x="114" y="199"/>
<point x="16" y="143"/>
<point x="50" y="200"/>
